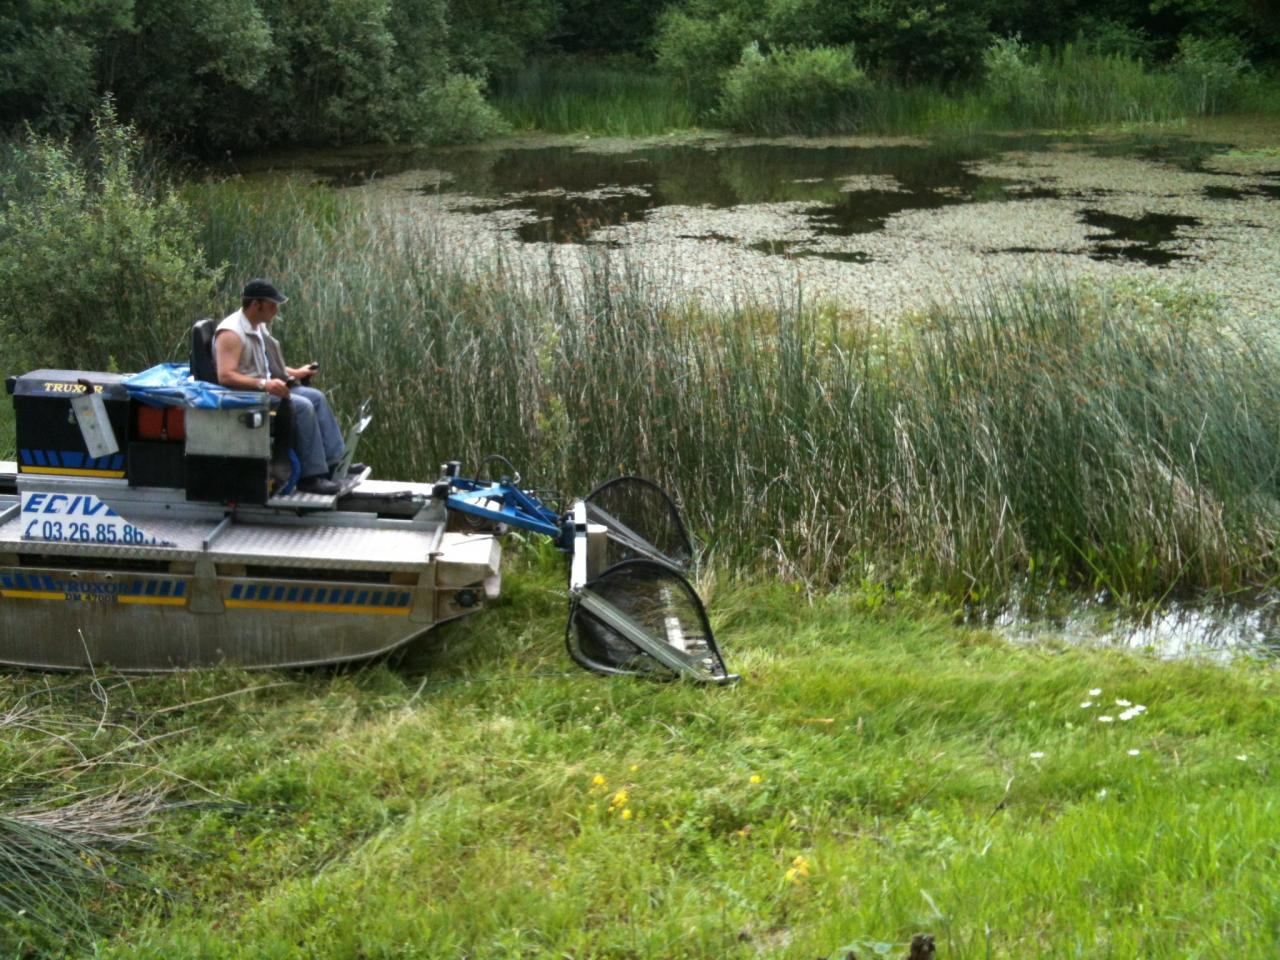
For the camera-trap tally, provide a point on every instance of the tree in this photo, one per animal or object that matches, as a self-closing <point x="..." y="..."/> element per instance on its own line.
<point x="49" y="58"/>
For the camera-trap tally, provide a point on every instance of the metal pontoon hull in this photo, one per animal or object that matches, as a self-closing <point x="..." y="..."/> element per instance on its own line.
<point x="275" y="586"/>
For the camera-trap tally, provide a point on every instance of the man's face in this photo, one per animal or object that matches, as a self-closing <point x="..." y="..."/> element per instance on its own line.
<point x="262" y="311"/>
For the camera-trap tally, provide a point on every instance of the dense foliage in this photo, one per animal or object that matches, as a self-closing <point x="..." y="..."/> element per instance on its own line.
<point x="921" y="42"/>
<point x="247" y="74"/>
<point x="244" y="74"/>
<point x="96" y="255"/>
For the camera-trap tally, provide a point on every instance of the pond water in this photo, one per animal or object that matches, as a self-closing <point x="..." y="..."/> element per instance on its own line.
<point x="1176" y="631"/>
<point x="884" y="226"/>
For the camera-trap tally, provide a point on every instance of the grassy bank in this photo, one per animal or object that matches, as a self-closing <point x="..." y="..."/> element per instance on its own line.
<point x="877" y="774"/>
<point x="1044" y="436"/>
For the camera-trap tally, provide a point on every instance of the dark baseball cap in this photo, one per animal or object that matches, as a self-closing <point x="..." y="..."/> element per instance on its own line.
<point x="262" y="290"/>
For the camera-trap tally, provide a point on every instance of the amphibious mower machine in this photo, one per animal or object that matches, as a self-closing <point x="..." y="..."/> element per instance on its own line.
<point x="148" y="524"/>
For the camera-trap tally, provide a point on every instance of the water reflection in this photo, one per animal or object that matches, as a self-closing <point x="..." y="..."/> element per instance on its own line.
<point x="1176" y="632"/>
<point x="1136" y="238"/>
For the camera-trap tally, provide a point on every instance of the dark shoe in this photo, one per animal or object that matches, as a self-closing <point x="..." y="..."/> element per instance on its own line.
<point x="321" y="485"/>
<point x="352" y="471"/>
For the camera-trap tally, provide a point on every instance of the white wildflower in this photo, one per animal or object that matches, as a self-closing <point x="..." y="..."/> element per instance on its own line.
<point x="1037" y="754"/>
<point x="1095" y="692"/>
<point x="1105" y="719"/>
<point x="1102" y="794"/>
<point x="1086" y="705"/>
<point x="1123" y="703"/>
<point x="1134" y="753"/>
<point x="1242" y="756"/>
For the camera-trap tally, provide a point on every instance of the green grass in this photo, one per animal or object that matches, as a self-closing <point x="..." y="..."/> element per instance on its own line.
<point x="596" y="99"/>
<point x="447" y="804"/>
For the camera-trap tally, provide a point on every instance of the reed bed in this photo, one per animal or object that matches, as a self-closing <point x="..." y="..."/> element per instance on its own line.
<point x="1070" y="87"/>
<point x="593" y="98"/>
<point x="1043" y="433"/>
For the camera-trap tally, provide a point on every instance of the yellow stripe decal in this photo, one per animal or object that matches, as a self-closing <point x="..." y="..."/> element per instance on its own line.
<point x="317" y="607"/>
<point x="72" y="472"/>
<point x="45" y="595"/>
<point x="32" y="595"/>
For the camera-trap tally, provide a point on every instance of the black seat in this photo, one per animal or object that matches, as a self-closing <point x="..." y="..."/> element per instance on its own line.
<point x="204" y="367"/>
<point x="202" y="363"/>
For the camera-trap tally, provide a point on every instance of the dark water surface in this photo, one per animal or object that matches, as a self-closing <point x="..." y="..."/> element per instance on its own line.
<point x="569" y="193"/>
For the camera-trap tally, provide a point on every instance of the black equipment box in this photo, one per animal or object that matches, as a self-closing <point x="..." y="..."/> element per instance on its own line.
<point x="156" y="464"/>
<point x="48" y="437"/>
<point x="227" y="479"/>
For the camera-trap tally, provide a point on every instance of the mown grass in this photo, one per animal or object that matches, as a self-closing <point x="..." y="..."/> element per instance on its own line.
<point x="1043" y="435"/>
<point x="600" y="99"/>
<point x="877" y="773"/>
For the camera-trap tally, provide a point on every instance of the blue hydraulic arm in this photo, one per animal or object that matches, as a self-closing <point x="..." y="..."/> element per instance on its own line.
<point x="503" y="502"/>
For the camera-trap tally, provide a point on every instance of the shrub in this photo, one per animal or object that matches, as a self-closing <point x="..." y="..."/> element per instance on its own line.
<point x="697" y="52"/>
<point x="1106" y="37"/>
<point x="1011" y="78"/>
<point x="95" y="262"/>
<point x="1212" y="71"/>
<point x="457" y="112"/>
<point x="818" y="90"/>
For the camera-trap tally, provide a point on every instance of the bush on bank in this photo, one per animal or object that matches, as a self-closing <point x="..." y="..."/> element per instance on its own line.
<point x="795" y="91"/>
<point x="98" y="258"/>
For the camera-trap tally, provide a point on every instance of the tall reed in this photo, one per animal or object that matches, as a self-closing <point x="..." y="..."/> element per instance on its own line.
<point x="1040" y="432"/>
<point x="602" y="99"/>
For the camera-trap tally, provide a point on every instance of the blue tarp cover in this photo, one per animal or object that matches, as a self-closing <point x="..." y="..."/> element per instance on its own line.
<point x="171" y="385"/>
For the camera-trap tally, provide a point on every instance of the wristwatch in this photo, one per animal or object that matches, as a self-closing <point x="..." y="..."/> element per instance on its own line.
<point x="262" y="384"/>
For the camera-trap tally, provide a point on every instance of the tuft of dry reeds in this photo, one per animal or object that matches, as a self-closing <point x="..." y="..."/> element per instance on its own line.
<point x="79" y="799"/>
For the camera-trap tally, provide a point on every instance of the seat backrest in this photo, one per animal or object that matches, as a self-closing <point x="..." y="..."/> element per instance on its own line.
<point x="203" y="366"/>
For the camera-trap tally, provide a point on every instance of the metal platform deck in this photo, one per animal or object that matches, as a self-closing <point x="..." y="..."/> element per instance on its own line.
<point x="276" y="535"/>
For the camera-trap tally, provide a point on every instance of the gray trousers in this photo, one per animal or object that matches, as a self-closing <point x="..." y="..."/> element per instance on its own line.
<point x="317" y="437"/>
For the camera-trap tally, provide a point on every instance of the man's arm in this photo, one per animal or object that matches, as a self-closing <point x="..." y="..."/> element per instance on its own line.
<point x="226" y="354"/>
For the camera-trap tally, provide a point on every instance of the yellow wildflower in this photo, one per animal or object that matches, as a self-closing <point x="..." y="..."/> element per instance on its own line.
<point x="626" y="814"/>
<point x="619" y="800"/>
<point x="798" y="870"/>
<point x="756" y="778"/>
<point x="598" y="781"/>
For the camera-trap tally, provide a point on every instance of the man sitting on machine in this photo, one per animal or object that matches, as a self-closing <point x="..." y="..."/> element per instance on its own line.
<point x="249" y="358"/>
